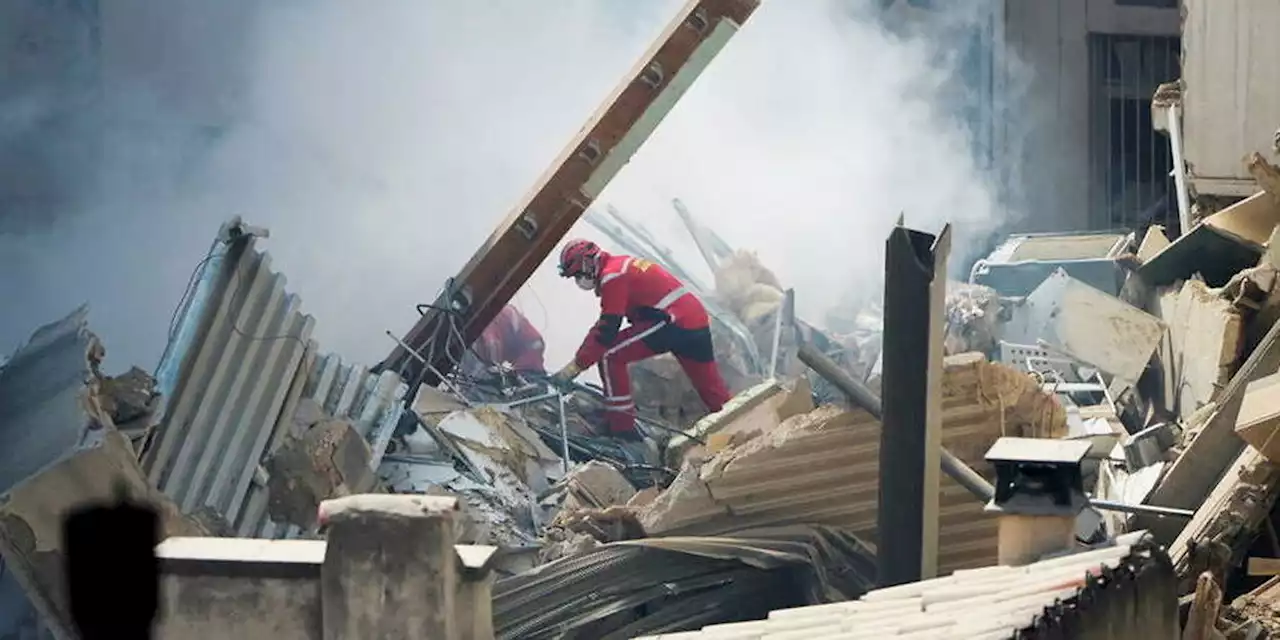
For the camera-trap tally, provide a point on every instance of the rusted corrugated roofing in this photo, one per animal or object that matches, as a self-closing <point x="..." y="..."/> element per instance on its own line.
<point x="1121" y="591"/>
<point x="823" y="468"/>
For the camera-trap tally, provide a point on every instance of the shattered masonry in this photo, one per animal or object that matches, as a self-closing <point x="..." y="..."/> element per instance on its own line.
<point x="1152" y="354"/>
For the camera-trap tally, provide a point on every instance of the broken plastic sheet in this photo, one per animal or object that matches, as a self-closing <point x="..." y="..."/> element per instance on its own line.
<point x="657" y="585"/>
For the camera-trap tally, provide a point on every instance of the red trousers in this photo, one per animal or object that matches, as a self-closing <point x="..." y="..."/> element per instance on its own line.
<point x="691" y="347"/>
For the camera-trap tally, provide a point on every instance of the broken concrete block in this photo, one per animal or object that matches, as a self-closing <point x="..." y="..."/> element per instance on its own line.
<point x="1229" y="518"/>
<point x="644" y="497"/>
<point x="308" y="413"/>
<point x="1206" y="335"/>
<point x="607" y="525"/>
<point x="687" y="501"/>
<point x="330" y="460"/>
<point x="128" y="397"/>
<point x="757" y="409"/>
<point x="742" y="280"/>
<point x="562" y="543"/>
<point x="1258" y="422"/>
<point x="596" y="485"/>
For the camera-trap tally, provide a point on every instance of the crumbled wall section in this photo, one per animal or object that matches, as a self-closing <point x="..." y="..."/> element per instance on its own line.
<point x="822" y="467"/>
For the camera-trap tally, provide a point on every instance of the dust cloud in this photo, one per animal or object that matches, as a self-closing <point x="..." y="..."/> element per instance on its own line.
<point x="382" y="142"/>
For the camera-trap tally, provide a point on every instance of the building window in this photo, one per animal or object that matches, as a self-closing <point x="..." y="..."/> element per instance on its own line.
<point x="1129" y="182"/>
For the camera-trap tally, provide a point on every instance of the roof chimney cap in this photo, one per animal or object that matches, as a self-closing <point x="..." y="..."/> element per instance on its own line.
<point x="1038" y="477"/>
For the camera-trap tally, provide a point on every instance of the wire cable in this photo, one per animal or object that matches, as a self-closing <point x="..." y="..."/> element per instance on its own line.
<point x="546" y="316"/>
<point x="237" y="305"/>
<point x="187" y="292"/>
<point x="233" y="289"/>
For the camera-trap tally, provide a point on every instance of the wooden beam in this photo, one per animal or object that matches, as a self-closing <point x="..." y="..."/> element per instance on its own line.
<point x="541" y="219"/>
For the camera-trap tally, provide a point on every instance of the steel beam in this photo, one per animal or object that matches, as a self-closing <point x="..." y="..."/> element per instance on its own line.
<point x="911" y="438"/>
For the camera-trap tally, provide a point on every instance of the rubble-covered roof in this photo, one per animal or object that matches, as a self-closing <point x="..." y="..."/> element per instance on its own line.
<point x="822" y="467"/>
<point x="681" y="582"/>
<point x="1125" y="590"/>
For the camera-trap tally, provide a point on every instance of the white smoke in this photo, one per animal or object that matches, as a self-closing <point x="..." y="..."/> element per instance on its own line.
<point x="382" y="142"/>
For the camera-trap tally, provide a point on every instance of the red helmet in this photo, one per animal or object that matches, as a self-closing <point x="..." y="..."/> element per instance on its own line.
<point x="579" y="257"/>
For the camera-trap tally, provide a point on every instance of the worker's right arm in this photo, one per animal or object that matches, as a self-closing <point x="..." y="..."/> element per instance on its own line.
<point x="613" y="307"/>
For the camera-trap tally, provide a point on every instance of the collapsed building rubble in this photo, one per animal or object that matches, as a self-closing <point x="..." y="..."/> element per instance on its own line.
<point x="1162" y="384"/>
<point x="1142" y="384"/>
<point x="1138" y="367"/>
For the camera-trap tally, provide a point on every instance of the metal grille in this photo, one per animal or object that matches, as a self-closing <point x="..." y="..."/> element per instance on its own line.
<point x="979" y="70"/>
<point x="1129" y="184"/>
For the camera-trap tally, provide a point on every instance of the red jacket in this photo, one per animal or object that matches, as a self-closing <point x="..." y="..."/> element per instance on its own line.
<point x="641" y="292"/>
<point x="511" y="338"/>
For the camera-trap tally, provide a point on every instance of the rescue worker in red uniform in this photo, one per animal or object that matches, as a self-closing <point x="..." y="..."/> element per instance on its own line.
<point x="663" y="317"/>
<point x="509" y="338"/>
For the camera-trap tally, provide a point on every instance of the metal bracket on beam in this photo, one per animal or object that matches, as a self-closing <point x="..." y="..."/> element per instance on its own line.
<point x="527" y="225"/>
<point x="652" y="75"/>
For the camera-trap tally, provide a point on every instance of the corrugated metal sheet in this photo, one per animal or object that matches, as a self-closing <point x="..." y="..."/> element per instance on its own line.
<point x="657" y="584"/>
<point x="825" y="469"/>
<point x="239" y="360"/>
<point x="60" y="451"/>
<point x="1120" y="591"/>
<point x="43" y="414"/>
<point x="43" y="419"/>
<point x="1232" y="93"/>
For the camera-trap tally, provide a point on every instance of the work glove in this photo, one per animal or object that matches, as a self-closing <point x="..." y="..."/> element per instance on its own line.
<point x="566" y="375"/>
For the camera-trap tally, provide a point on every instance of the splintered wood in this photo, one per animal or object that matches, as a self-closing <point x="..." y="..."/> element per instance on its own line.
<point x="1227" y="521"/>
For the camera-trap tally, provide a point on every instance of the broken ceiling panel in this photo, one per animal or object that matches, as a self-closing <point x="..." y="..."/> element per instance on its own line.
<point x="239" y="360"/>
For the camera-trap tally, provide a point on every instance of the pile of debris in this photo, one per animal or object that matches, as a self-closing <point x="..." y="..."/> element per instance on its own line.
<point x="1159" y="359"/>
<point x="1156" y="359"/>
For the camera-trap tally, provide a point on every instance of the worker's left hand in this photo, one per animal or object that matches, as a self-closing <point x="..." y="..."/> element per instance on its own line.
<point x="566" y="375"/>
